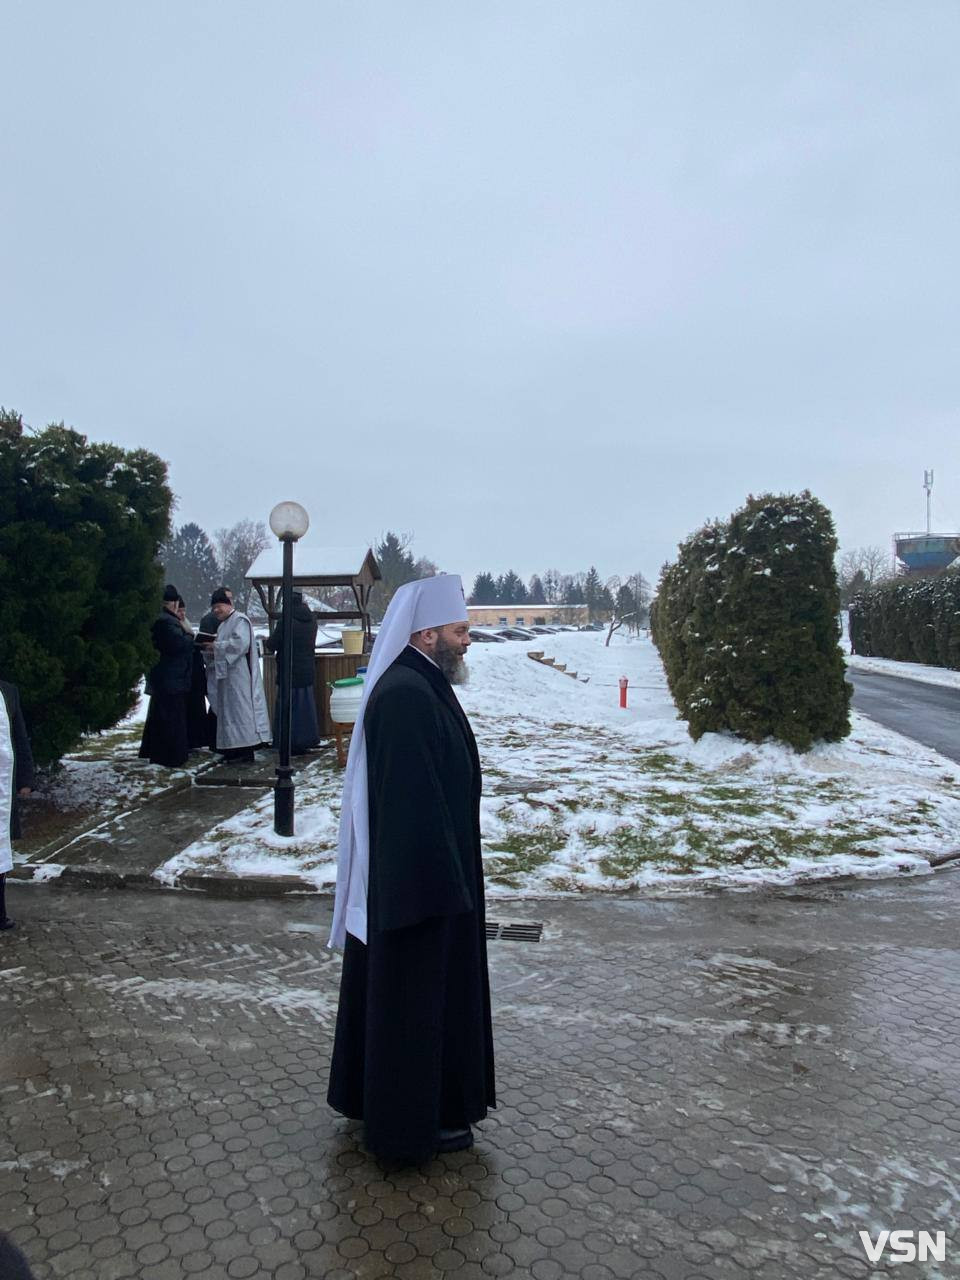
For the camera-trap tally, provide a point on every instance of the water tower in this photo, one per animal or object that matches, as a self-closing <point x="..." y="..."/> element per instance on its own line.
<point x="923" y="554"/>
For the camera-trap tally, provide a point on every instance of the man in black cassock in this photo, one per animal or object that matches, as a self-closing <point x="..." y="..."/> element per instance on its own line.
<point x="413" y="1050"/>
<point x="168" y="683"/>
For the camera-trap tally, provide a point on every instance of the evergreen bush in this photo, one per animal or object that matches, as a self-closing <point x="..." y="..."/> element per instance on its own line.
<point x="909" y="620"/>
<point x="747" y="625"/>
<point x="80" y="525"/>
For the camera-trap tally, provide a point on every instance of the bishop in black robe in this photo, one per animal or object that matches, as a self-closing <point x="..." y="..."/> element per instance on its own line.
<point x="413" y="1050"/>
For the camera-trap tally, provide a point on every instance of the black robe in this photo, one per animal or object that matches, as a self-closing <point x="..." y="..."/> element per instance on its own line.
<point x="209" y="625"/>
<point x="304" y="726"/>
<point x="23" y="770"/>
<point x="164" y="738"/>
<point x="413" y="1051"/>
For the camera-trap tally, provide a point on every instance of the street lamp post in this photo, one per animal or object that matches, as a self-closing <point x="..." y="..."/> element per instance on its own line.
<point x="289" y="521"/>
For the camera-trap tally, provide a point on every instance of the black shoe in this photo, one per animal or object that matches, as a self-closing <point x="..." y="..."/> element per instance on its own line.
<point x="7" y="923"/>
<point x="455" y="1140"/>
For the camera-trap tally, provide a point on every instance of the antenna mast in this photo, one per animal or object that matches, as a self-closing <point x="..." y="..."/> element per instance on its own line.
<point x="928" y="485"/>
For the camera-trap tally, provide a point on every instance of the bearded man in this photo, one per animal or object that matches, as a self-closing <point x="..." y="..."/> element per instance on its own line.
<point x="413" y="1051"/>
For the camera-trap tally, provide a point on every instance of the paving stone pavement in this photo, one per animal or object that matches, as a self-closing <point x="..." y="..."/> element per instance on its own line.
<point x="696" y="1088"/>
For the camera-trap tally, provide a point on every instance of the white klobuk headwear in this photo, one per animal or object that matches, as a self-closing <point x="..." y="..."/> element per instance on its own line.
<point x="431" y="602"/>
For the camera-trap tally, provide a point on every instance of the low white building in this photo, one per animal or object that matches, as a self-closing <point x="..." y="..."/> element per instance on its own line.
<point x="527" y="615"/>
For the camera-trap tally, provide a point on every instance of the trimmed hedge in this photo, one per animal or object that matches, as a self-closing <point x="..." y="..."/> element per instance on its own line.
<point x="746" y="622"/>
<point x="913" y="620"/>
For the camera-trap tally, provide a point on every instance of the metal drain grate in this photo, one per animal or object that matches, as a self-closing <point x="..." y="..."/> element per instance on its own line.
<point x="514" y="932"/>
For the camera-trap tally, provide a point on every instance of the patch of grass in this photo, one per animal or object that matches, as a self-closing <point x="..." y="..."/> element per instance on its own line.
<point x="626" y="849"/>
<point x="571" y="803"/>
<point x="671" y="804"/>
<point x="652" y="761"/>
<point x="753" y="855"/>
<point x="521" y="852"/>
<point x="105" y="746"/>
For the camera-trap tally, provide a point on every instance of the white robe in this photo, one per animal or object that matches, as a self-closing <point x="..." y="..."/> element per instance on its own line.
<point x="7" y="788"/>
<point x="234" y="686"/>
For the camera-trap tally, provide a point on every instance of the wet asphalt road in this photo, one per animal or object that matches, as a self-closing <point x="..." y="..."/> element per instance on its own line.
<point x="928" y="713"/>
<point x="713" y="1086"/>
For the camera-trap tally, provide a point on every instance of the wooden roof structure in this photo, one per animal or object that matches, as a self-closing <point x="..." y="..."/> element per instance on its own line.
<point x="313" y="566"/>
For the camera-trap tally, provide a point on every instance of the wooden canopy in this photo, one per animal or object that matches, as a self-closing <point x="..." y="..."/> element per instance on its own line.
<point x="313" y="566"/>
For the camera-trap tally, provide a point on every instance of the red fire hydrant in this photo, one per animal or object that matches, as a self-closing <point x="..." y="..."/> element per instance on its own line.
<point x="623" y="691"/>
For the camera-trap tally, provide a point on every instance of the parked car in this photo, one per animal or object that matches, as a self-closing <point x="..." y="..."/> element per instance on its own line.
<point x="486" y="637"/>
<point x="516" y="633"/>
<point x="541" y="630"/>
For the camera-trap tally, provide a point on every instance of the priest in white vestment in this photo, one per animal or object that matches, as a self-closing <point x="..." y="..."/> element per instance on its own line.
<point x="234" y="684"/>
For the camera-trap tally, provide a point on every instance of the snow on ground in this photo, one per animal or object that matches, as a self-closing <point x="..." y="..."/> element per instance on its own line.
<point x="906" y="670"/>
<point x="581" y="795"/>
<point x="102" y="778"/>
<point x="106" y="772"/>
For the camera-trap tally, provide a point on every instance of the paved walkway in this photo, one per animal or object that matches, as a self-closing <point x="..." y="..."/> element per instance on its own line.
<point x="126" y="849"/>
<point x="704" y="1088"/>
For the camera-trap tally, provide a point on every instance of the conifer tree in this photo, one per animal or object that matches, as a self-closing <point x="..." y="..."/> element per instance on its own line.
<point x="80" y="527"/>
<point x="625" y="603"/>
<point x="397" y="566"/>
<point x="484" y="589"/>
<point x="190" y="564"/>
<point x="747" y="625"/>
<point x="592" y="588"/>
<point x="510" y="589"/>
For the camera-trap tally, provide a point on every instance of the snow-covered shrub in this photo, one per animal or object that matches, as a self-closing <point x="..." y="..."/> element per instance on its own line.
<point x="909" y="620"/>
<point x="79" y="529"/>
<point x="747" y="625"/>
<point x="686" y="624"/>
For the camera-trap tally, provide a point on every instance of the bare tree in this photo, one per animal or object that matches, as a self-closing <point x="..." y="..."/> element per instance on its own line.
<point x="876" y="564"/>
<point x="425" y="568"/>
<point x="237" y="548"/>
<point x="860" y="568"/>
<point x="615" y="624"/>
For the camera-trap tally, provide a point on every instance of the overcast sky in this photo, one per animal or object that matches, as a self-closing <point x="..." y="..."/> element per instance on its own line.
<point x="539" y="282"/>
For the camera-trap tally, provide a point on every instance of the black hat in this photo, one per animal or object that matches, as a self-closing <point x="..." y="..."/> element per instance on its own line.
<point x="220" y="596"/>
<point x="170" y="592"/>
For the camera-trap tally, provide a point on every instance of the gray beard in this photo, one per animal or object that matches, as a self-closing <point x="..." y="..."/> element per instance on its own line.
<point x="451" y="663"/>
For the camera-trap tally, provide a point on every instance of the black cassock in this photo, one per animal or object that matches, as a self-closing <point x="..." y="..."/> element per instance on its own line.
<point x="168" y="683"/>
<point x="413" y="1051"/>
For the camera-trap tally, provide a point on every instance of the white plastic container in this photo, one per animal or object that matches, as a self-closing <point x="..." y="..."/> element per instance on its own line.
<point x="345" y="698"/>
